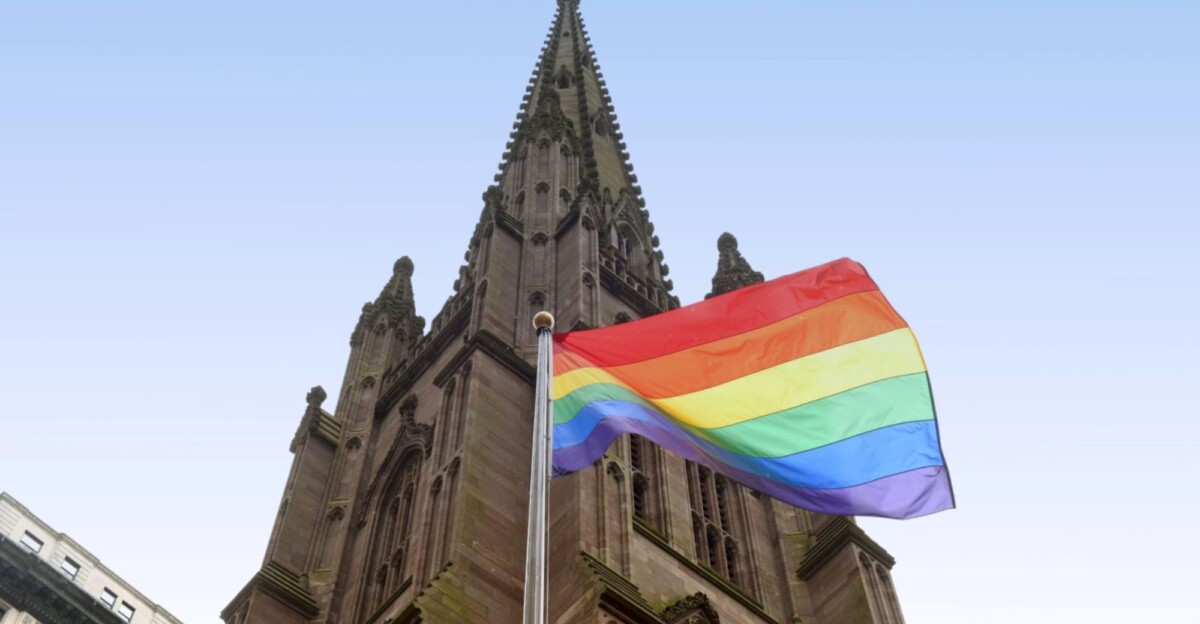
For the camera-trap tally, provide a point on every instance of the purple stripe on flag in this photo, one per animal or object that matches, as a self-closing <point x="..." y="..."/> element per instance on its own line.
<point x="905" y="495"/>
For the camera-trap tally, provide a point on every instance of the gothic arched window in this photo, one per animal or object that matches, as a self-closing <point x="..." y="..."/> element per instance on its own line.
<point x="566" y="179"/>
<point x="630" y="251"/>
<point x="731" y="559"/>
<point x="644" y="460"/>
<point x="891" y="604"/>
<point x="542" y="204"/>
<point x="389" y="546"/>
<point x="543" y="160"/>
<point x="723" y="510"/>
<point x="564" y="196"/>
<point x="715" y="525"/>
<point x="713" y="542"/>
<point x="881" y="595"/>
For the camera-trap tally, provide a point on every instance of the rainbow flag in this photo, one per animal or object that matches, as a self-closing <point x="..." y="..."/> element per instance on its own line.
<point x="809" y="388"/>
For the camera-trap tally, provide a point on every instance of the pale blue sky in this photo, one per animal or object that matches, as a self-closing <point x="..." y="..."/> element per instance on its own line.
<point x="197" y="197"/>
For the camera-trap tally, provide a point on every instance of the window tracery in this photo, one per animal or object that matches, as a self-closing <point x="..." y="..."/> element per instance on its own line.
<point x="715" y="527"/>
<point x="880" y="589"/>
<point x="390" y="544"/>
<point x="631" y="256"/>
<point x="644" y="461"/>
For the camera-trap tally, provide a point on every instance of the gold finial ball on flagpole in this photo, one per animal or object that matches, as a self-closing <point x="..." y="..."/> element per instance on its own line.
<point x="543" y="319"/>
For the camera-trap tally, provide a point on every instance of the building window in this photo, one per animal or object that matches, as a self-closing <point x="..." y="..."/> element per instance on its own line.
<point x="714" y="526"/>
<point x="543" y="160"/>
<point x="125" y="611"/>
<point x="643" y="464"/>
<point x="69" y="567"/>
<point x="630" y="253"/>
<point x="390" y="545"/>
<point x="108" y="597"/>
<point x="731" y="559"/>
<point x="32" y="543"/>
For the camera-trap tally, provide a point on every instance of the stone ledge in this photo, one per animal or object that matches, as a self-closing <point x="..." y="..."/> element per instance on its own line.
<point x="832" y="538"/>
<point x="329" y="428"/>
<point x="281" y="584"/>
<point x="510" y="224"/>
<point x="620" y="594"/>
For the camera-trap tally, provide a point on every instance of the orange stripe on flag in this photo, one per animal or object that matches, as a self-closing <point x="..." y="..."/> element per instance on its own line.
<point x="849" y="319"/>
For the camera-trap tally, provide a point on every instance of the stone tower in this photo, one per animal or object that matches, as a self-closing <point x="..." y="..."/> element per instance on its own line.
<point x="407" y="503"/>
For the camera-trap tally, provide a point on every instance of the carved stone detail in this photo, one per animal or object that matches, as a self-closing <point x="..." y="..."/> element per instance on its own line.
<point x="549" y="119"/>
<point x="315" y="397"/>
<point x="733" y="271"/>
<point x="311" y="421"/>
<point x="412" y="431"/>
<point x="394" y="309"/>
<point x="694" y="609"/>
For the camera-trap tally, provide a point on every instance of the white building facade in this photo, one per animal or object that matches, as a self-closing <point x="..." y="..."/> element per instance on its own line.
<point x="47" y="578"/>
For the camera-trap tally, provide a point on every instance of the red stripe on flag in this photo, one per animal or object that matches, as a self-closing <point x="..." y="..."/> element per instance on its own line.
<point x="740" y="311"/>
<point x="842" y="321"/>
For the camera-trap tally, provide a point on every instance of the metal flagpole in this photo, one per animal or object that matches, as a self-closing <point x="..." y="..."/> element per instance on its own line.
<point x="539" y="477"/>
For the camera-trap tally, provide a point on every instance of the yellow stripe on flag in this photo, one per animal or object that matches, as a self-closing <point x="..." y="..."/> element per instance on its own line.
<point x="781" y="387"/>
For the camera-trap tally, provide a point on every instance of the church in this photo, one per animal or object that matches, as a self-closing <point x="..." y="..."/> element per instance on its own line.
<point x="407" y="501"/>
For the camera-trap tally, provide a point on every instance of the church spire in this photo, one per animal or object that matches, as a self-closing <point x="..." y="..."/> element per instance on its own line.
<point x="733" y="271"/>
<point x="565" y="177"/>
